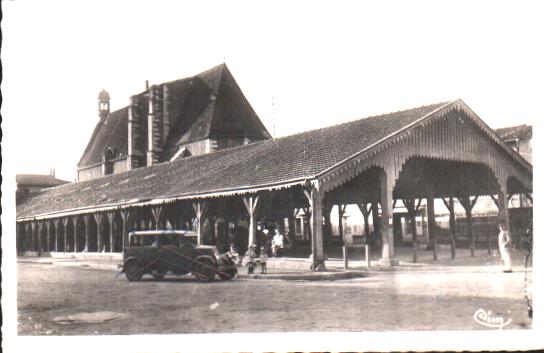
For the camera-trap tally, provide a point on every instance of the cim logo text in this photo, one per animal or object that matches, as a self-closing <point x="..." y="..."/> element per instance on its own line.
<point x="487" y="319"/>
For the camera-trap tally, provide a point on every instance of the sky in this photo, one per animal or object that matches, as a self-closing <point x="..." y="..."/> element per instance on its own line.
<point x="302" y="65"/>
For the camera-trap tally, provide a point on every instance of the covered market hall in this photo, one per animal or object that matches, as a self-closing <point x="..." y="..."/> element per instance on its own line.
<point x="440" y="151"/>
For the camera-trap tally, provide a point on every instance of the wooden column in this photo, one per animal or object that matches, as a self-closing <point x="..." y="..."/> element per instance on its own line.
<point x="450" y="205"/>
<point x="412" y="209"/>
<point x="40" y="242"/>
<point x="315" y="198"/>
<point x="65" y="225"/>
<point x="375" y="217"/>
<point x="157" y="212"/>
<point x="48" y="225"/>
<point x="200" y="208"/>
<point x="56" y="223"/>
<point x="251" y="203"/>
<point x="468" y="204"/>
<point x="74" y="223"/>
<point x="86" y="219"/>
<point x="17" y="237"/>
<point x="341" y="211"/>
<point x="431" y="224"/>
<point x="126" y="216"/>
<point x="365" y="210"/>
<point x="111" y="216"/>
<point x="327" y="232"/>
<point x="502" y="198"/>
<point x="386" y="226"/>
<point x="98" y="219"/>
<point x="33" y="236"/>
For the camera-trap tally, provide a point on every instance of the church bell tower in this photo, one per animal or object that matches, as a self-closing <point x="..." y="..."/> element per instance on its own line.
<point x="103" y="104"/>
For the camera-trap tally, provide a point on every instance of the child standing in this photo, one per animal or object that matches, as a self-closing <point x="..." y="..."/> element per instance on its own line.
<point x="263" y="258"/>
<point x="249" y="259"/>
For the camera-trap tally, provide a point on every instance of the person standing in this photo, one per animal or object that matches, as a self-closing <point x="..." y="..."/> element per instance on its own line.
<point x="249" y="259"/>
<point x="504" y="247"/>
<point x="277" y="243"/>
<point x="263" y="258"/>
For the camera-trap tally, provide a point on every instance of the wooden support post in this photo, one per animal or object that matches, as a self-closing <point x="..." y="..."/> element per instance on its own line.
<point x="365" y="210"/>
<point x="74" y="226"/>
<point x="110" y="216"/>
<point x="412" y="208"/>
<point x="345" y="254"/>
<point x="86" y="219"/>
<point x="315" y="198"/>
<point x="375" y="218"/>
<point x="251" y="203"/>
<point x="386" y="226"/>
<point x="327" y="231"/>
<point x="450" y="205"/>
<point x="65" y="225"/>
<point x="341" y="211"/>
<point x="33" y="236"/>
<point x="48" y="225"/>
<point x="199" y="207"/>
<point x="98" y="219"/>
<point x="503" y="206"/>
<point x="468" y="204"/>
<point x="126" y="216"/>
<point x="40" y="228"/>
<point x="56" y="222"/>
<point x="431" y="224"/>
<point x="157" y="212"/>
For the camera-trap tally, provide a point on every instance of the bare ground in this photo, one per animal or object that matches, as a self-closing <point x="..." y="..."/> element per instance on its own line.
<point x="386" y="301"/>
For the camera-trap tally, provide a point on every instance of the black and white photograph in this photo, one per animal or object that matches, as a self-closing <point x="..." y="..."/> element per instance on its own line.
<point x="226" y="176"/>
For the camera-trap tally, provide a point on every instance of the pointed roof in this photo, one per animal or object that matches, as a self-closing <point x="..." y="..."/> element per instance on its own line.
<point x="207" y="105"/>
<point x="108" y="133"/>
<point x="224" y="110"/>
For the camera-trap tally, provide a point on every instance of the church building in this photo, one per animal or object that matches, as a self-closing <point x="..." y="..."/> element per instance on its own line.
<point x="186" y="117"/>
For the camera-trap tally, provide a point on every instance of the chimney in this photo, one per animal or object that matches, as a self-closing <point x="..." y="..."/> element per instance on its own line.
<point x="146" y="85"/>
<point x="52" y="173"/>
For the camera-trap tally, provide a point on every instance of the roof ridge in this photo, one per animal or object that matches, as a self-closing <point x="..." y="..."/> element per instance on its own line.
<point x="440" y="104"/>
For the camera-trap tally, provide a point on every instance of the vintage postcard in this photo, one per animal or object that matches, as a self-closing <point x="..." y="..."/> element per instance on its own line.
<point x="225" y="176"/>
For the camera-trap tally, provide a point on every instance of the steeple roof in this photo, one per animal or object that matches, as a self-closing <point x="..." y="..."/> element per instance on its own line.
<point x="207" y="105"/>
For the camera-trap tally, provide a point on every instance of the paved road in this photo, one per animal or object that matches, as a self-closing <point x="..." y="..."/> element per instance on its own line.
<point x="422" y="300"/>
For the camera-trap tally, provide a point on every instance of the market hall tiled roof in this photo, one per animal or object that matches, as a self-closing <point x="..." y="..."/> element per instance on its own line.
<point x="264" y="163"/>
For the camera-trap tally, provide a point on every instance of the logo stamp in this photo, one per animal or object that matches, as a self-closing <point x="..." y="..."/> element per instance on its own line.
<point x="488" y="319"/>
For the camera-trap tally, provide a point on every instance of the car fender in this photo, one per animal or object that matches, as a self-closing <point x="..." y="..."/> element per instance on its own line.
<point x="131" y="258"/>
<point x="212" y="259"/>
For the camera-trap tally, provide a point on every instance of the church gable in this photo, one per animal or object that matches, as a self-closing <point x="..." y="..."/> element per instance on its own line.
<point x="203" y="113"/>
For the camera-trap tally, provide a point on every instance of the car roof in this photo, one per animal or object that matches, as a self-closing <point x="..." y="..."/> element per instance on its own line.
<point x="186" y="233"/>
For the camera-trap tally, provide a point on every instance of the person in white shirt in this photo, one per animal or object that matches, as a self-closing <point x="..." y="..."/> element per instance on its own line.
<point x="504" y="247"/>
<point x="277" y="243"/>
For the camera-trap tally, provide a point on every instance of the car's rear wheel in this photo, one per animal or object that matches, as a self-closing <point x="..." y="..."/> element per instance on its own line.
<point x="133" y="270"/>
<point x="204" y="270"/>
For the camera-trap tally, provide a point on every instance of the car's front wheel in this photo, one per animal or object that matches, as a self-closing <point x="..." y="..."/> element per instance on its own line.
<point x="227" y="274"/>
<point x="133" y="270"/>
<point x="205" y="269"/>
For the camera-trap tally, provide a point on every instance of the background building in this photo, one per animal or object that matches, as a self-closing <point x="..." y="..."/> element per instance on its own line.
<point x="187" y="117"/>
<point x="32" y="184"/>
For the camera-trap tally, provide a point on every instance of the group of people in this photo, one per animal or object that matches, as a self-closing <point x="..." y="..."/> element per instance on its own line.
<point x="273" y="244"/>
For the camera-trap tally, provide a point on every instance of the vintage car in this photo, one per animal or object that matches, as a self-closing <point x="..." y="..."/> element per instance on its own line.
<point x="158" y="252"/>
